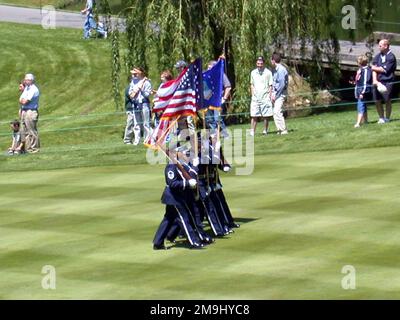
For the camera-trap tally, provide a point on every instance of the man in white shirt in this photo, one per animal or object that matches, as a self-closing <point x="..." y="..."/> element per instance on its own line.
<point x="29" y="113"/>
<point x="261" y="90"/>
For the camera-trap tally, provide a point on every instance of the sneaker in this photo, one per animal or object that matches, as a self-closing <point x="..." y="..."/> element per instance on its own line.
<point x="252" y="133"/>
<point x="136" y="142"/>
<point x="265" y="132"/>
<point x="381" y="121"/>
<point x="357" y="125"/>
<point x="284" y="132"/>
<point x="128" y="142"/>
<point x="105" y="35"/>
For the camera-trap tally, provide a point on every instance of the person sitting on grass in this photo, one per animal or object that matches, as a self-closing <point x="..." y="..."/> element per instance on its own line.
<point x="363" y="90"/>
<point x="17" y="145"/>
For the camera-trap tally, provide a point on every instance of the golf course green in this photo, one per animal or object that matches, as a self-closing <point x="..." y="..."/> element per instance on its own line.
<point x="323" y="197"/>
<point x="303" y="217"/>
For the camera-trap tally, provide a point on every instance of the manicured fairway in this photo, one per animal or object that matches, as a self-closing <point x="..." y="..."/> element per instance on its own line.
<point x="304" y="216"/>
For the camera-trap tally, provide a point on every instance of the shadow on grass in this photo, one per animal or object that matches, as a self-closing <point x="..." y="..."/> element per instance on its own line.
<point x="245" y="220"/>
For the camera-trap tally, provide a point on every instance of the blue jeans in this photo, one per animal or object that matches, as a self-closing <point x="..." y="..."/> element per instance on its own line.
<point x="213" y="117"/>
<point x="90" y="23"/>
<point x="361" y="106"/>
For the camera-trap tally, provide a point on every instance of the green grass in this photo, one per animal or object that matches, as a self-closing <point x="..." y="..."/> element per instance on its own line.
<point x="323" y="197"/>
<point x="303" y="218"/>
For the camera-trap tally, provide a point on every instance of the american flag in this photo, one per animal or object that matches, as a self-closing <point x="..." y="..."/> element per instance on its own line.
<point x="177" y="98"/>
<point x="182" y="96"/>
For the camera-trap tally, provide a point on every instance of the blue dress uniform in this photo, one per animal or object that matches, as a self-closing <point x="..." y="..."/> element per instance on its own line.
<point x="208" y="207"/>
<point x="217" y="195"/>
<point x="222" y="199"/>
<point x="195" y="207"/>
<point x="176" y="209"/>
<point x="217" y="202"/>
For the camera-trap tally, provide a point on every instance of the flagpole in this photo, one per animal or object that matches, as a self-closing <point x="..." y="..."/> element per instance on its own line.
<point x="168" y="129"/>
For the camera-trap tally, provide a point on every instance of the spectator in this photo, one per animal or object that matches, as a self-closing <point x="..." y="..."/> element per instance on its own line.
<point x="180" y="66"/>
<point x="214" y="113"/>
<point x="363" y="90"/>
<point x="17" y="146"/>
<point x="29" y="112"/>
<point x="139" y="91"/>
<point x="281" y="80"/>
<point x="165" y="76"/>
<point x="384" y="66"/>
<point x="261" y="90"/>
<point x="129" y="116"/>
<point x="90" y="23"/>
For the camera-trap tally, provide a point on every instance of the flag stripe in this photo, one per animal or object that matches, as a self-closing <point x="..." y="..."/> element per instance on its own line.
<point x="177" y="98"/>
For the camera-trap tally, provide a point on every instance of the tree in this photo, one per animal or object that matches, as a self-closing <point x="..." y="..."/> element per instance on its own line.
<point x="170" y="30"/>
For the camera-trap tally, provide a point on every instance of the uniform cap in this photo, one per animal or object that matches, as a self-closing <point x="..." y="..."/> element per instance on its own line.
<point x="181" y="64"/>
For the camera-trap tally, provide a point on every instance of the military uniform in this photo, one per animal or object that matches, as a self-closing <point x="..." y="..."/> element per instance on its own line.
<point x="196" y="208"/>
<point x="208" y="207"/>
<point x="176" y="209"/>
<point x="217" y="194"/>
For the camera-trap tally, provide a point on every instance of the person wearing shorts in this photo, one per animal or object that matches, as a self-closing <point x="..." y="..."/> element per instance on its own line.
<point x="362" y="90"/>
<point x="261" y="89"/>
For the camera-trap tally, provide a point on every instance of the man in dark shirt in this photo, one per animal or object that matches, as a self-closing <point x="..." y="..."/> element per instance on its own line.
<point x="384" y="66"/>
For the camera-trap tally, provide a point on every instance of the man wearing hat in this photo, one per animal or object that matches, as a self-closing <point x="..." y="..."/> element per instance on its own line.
<point x="29" y="112"/>
<point x="180" y="66"/>
<point x="139" y="92"/>
<point x="261" y="91"/>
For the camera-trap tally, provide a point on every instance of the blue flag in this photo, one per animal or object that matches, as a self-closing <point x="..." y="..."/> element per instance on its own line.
<point x="213" y="85"/>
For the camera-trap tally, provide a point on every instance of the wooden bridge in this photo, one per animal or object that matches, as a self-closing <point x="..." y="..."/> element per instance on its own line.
<point x="349" y="52"/>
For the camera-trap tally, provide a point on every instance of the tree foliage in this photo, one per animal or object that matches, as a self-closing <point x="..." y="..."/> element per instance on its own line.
<point x="241" y="29"/>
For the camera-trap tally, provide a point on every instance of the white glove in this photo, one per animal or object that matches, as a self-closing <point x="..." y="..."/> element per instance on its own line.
<point x="217" y="146"/>
<point x="192" y="183"/>
<point x="223" y="101"/>
<point x="196" y="162"/>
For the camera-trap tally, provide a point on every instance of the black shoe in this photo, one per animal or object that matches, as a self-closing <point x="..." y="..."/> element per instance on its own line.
<point x="197" y="246"/>
<point x="208" y="241"/>
<point x="160" y="247"/>
<point x="172" y="240"/>
<point x="235" y="225"/>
